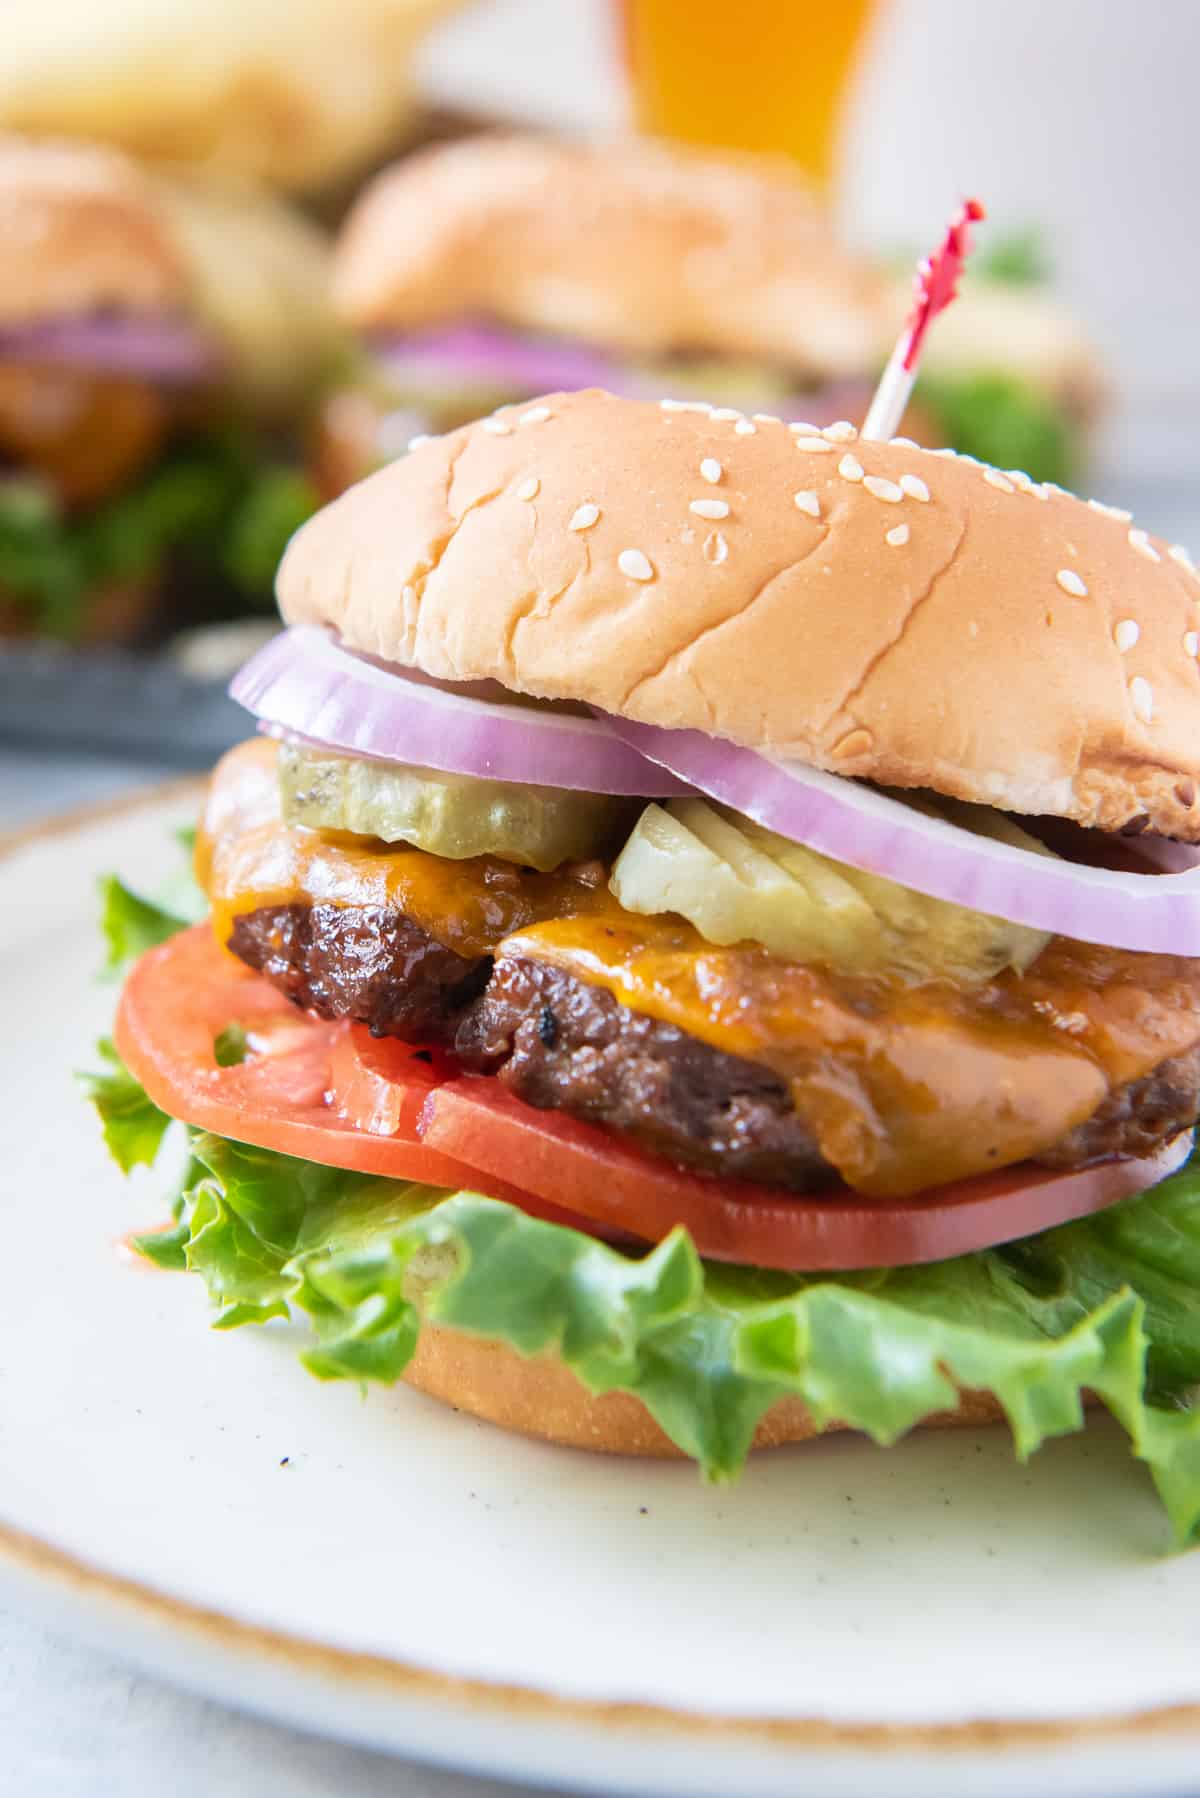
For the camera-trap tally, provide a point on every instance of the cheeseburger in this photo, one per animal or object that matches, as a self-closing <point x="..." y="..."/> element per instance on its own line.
<point x="160" y="344"/>
<point x="703" y="950"/>
<point x="486" y="271"/>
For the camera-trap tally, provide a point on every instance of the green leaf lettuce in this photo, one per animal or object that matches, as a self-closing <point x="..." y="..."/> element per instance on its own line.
<point x="130" y="923"/>
<point x="133" y="1125"/>
<point x="1004" y="420"/>
<point x="1110" y="1305"/>
<point x="222" y="501"/>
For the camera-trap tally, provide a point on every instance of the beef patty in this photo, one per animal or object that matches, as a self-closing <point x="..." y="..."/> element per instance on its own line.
<point x="562" y="1044"/>
<point x="369" y="963"/>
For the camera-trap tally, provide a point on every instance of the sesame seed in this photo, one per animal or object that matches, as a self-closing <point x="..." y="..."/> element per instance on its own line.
<point x="897" y="536"/>
<point x="710" y="508"/>
<point x="497" y="426"/>
<point x="1117" y="512"/>
<point x="584" y="517"/>
<point x="536" y="415"/>
<point x="743" y="428"/>
<point x="804" y="428"/>
<point x="915" y="487"/>
<point x="815" y="446"/>
<point x="724" y="413"/>
<point x="637" y="566"/>
<point x="808" y="502"/>
<point x="850" y="468"/>
<point x="529" y="489"/>
<point x="1178" y="554"/>
<point x="855" y="742"/>
<point x="949" y="454"/>
<point x="766" y="418"/>
<point x="1191" y="642"/>
<point x="1070" y="582"/>
<point x="1141" y="542"/>
<point x="414" y="443"/>
<point x="905" y="443"/>
<point x="841" y="431"/>
<point x="1020" y="479"/>
<point x="685" y="405"/>
<point x="1141" y="698"/>
<point x="1126" y="635"/>
<point x="715" y="547"/>
<point x="891" y="491"/>
<point x="711" y="469"/>
<point x="994" y="478"/>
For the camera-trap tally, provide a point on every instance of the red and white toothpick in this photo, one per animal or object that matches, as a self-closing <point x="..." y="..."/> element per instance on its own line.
<point x="936" y="285"/>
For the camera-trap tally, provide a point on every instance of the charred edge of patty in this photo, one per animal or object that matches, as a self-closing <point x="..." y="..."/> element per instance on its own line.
<point x="561" y="1044"/>
<point x="372" y="964"/>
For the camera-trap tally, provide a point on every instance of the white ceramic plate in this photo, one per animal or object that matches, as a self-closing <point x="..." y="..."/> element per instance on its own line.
<point x="934" y="1616"/>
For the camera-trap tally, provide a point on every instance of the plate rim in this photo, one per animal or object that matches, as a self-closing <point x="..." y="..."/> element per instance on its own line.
<point x="75" y="818"/>
<point x="42" y="1563"/>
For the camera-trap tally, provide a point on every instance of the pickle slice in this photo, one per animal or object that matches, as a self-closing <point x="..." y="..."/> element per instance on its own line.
<point x="737" y="882"/>
<point x="453" y="815"/>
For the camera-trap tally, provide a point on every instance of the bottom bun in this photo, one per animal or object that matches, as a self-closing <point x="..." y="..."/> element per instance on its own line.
<point x="542" y="1397"/>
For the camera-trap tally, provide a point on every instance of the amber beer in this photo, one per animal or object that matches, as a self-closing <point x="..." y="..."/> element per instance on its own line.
<point x="745" y="74"/>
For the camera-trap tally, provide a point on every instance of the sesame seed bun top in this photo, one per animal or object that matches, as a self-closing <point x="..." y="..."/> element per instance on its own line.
<point x="903" y="615"/>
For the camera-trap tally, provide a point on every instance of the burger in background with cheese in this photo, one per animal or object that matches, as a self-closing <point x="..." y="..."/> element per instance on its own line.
<point x="486" y="271"/>
<point x="704" y="953"/>
<point x="161" y="340"/>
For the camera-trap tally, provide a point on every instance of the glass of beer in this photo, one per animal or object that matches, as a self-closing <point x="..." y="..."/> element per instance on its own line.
<point x="758" y="75"/>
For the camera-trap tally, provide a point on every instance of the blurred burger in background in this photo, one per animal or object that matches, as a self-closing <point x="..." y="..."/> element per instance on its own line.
<point x="485" y="271"/>
<point x="286" y="93"/>
<point x="162" y="339"/>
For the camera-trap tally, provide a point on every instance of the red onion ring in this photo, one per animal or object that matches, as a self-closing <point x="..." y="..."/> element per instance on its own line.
<point x="303" y="681"/>
<point x="488" y="353"/>
<point x="162" y="349"/>
<point x="856" y="824"/>
<point x="532" y="365"/>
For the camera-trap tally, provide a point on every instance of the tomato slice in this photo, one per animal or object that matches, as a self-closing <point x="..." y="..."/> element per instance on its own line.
<point x="615" y="1183"/>
<point x="379" y="1083"/>
<point x="182" y="995"/>
<point x="330" y="1093"/>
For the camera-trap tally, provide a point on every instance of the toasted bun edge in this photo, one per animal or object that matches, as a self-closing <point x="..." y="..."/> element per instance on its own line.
<point x="540" y="1397"/>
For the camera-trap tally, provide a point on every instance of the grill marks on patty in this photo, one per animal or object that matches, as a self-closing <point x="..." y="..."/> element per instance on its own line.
<point x="559" y="1043"/>
<point x="556" y="1042"/>
<point x="565" y="1046"/>
<point x="369" y="963"/>
<point x="1137" y="1118"/>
